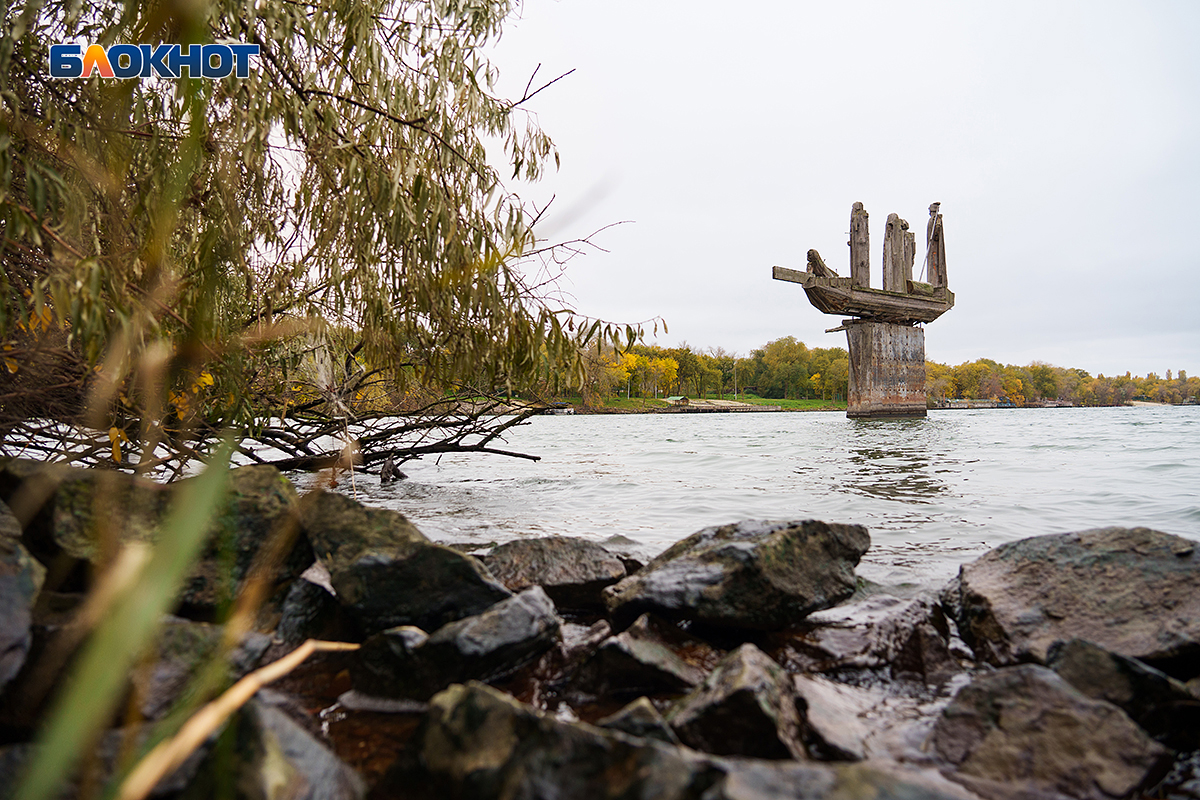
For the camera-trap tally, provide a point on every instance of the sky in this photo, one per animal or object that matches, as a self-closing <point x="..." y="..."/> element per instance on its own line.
<point x="717" y="140"/>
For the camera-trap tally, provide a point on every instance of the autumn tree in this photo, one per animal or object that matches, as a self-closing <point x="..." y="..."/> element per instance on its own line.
<point x="267" y="246"/>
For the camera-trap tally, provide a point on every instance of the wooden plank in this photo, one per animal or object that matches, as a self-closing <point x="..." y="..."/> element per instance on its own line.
<point x="791" y="275"/>
<point x="860" y="247"/>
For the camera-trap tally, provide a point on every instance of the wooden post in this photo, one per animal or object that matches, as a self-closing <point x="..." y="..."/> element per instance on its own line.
<point x="860" y="247"/>
<point x="894" y="255"/>
<point x="936" y="248"/>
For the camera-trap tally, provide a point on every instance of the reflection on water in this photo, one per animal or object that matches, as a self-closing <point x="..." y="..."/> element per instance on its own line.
<point x="934" y="493"/>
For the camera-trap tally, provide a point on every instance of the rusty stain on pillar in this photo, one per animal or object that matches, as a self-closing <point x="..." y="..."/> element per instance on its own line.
<point x="886" y="344"/>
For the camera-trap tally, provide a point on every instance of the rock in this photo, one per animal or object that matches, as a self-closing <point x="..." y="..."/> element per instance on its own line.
<point x="387" y="574"/>
<point x="21" y="578"/>
<point x="481" y="744"/>
<point x="905" y="638"/>
<point x="640" y="718"/>
<point x="833" y="713"/>
<point x="751" y="574"/>
<point x="276" y="758"/>
<point x="404" y="662"/>
<point x="81" y="515"/>
<point x="183" y="648"/>
<point x="310" y="611"/>
<point x="1161" y="705"/>
<point x="651" y="656"/>
<point x="259" y="512"/>
<point x="746" y="707"/>
<point x="1133" y="591"/>
<point x="1025" y="732"/>
<point x="572" y="571"/>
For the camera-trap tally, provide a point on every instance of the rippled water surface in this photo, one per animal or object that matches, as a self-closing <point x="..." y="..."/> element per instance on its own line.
<point x="934" y="492"/>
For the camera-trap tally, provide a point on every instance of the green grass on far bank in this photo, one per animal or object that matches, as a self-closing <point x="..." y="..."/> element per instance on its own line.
<point x="649" y="403"/>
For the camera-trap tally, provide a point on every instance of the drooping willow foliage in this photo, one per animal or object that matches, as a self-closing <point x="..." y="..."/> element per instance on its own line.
<point x="329" y="234"/>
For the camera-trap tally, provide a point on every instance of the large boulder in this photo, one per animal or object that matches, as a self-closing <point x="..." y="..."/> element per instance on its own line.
<point x="650" y="656"/>
<point x="750" y="575"/>
<point x="1161" y="705"/>
<point x="21" y="579"/>
<point x="80" y="516"/>
<point x="386" y="573"/>
<point x="1024" y="732"/>
<point x="403" y="662"/>
<point x="746" y="707"/>
<point x="572" y="571"/>
<point x="1133" y="591"/>
<point x="902" y="638"/>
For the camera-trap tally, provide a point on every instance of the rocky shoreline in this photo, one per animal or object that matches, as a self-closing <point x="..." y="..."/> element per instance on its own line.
<point x="746" y="661"/>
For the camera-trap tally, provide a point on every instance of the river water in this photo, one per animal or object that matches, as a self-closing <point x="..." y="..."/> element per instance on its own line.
<point x="934" y="493"/>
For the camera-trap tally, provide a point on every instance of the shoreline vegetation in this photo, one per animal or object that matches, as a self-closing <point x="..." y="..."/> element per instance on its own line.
<point x="788" y="374"/>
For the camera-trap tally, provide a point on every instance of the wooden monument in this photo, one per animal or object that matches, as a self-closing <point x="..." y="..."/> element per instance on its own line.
<point x="887" y="347"/>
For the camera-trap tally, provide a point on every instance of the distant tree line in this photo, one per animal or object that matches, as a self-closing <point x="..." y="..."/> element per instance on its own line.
<point x="788" y="369"/>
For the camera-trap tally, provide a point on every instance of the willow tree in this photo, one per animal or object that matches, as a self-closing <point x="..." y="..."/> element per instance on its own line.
<point x="184" y="256"/>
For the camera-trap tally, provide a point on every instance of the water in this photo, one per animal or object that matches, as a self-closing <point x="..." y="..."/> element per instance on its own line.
<point x="934" y="493"/>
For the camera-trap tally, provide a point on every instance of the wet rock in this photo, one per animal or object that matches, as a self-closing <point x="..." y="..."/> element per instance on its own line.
<point x="79" y="516"/>
<point x="21" y="578"/>
<point x="480" y="743"/>
<point x="1161" y="705"/>
<point x="649" y="657"/>
<point x="387" y="574"/>
<point x="834" y="729"/>
<point x="904" y="638"/>
<point x="753" y="779"/>
<point x="310" y="611"/>
<point x="640" y="718"/>
<point x="256" y="522"/>
<point x="275" y="758"/>
<point x="404" y="662"/>
<point x="572" y="571"/>
<point x="749" y="575"/>
<point x="183" y="648"/>
<point x="1025" y="732"/>
<point x="746" y="707"/>
<point x="1133" y="591"/>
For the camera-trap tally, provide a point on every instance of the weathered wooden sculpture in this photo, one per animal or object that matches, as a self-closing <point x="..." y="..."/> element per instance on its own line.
<point x="887" y="348"/>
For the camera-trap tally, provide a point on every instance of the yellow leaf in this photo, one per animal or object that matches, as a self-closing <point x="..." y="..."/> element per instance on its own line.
<point x="11" y="363"/>
<point x="115" y="435"/>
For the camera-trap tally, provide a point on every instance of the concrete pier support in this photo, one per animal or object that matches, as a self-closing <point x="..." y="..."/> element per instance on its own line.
<point x="887" y="370"/>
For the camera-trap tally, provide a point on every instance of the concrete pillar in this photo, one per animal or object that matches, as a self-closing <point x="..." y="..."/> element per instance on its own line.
<point x="887" y="370"/>
<point x="860" y="247"/>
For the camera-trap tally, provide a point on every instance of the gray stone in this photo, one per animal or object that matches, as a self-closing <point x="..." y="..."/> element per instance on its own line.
<point x="1133" y="591"/>
<point x="751" y="574"/>
<point x="1024" y="732"/>
<point x="21" y="578"/>
<point x="480" y="744"/>
<point x="83" y="514"/>
<point x="834" y="729"/>
<point x="572" y="571"/>
<point x="640" y="718"/>
<point x="404" y="662"/>
<point x="1164" y="707"/>
<point x="905" y="638"/>
<point x="746" y="707"/>
<point x="650" y="656"/>
<point x="278" y="758"/>
<point x="387" y="574"/>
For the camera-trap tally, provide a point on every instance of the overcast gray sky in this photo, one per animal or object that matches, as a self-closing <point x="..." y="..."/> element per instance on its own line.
<point x="1062" y="139"/>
